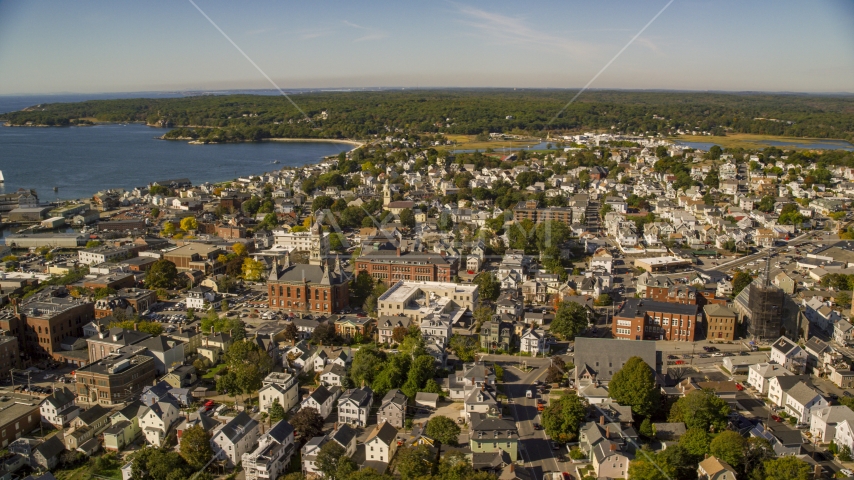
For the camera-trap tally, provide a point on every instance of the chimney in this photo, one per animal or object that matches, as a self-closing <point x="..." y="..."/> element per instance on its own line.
<point x="135" y="326"/>
<point x="512" y="466"/>
<point x="608" y="431"/>
<point x="602" y="420"/>
<point x="398" y="250"/>
<point x="613" y="447"/>
<point x="817" y="472"/>
<point x="335" y="427"/>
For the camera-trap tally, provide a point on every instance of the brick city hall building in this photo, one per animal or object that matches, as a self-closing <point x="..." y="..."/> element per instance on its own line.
<point x="317" y="287"/>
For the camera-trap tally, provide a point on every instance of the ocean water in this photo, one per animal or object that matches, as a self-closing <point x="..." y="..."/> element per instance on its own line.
<point x="80" y="161"/>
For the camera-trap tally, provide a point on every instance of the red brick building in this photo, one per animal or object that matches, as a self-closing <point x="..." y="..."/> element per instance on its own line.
<point x="391" y="265"/>
<point x="642" y="319"/>
<point x="45" y="319"/>
<point x="308" y="288"/>
<point x="529" y="210"/>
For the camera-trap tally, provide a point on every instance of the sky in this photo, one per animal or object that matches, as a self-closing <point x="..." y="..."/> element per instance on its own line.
<point x="49" y="46"/>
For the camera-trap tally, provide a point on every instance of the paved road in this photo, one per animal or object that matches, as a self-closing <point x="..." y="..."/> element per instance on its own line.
<point x="535" y="449"/>
<point x="801" y="239"/>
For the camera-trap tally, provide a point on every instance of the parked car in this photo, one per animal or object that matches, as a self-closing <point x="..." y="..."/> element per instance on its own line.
<point x="537" y="426"/>
<point x="776" y="418"/>
<point x="554" y="445"/>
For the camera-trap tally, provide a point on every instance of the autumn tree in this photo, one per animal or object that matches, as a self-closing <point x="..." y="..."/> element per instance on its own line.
<point x="189" y="224"/>
<point x="307" y="423"/>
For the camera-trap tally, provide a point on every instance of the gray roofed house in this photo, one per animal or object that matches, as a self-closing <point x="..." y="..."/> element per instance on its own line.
<point x="784" y="440"/>
<point x="46" y="455"/>
<point x="345" y="435"/>
<point x="273" y="454"/>
<point x="393" y="408"/>
<point x="380" y="446"/>
<point x="490" y="461"/>
<point x="598" y="359"/>
<point x="235" y="438"/>
<point x="824" y="421"/>
<point x="669" y="432"/>
<point x="333" y="375"/>
<point x="354" y="406"/>
<point x="59" y="407"/>
<point x="490" y="434"/>
<point x="165" y="351"/>
<point x="801" y="399"/>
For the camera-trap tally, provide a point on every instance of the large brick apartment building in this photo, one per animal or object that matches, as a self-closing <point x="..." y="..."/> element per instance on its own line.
<point x="531" y="211"/>
<point x="117" y="378"/>
<point x="393" y="264"/>
<point x="643" y="319"/>
<point x="43" y="320"/>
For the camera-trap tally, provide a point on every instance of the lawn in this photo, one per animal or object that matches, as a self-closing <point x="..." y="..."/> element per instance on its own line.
<point x="751" y="141"/>
<point x="212" y="372"/>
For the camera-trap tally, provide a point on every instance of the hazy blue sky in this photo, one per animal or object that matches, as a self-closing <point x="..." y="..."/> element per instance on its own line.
<point x="110" y="46"/>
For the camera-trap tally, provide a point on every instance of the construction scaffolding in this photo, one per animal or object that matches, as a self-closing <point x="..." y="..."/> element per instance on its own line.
<point x="766" y="307"/>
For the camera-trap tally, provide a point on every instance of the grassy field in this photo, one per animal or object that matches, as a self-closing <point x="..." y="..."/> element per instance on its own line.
<point x="750" y="141"/>
<point x="468" y="142"/>
<point x="212" y="372"/>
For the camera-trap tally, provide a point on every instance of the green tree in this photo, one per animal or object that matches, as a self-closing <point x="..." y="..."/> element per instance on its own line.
<point x="499" y="372"/>
<point x="729" y="446"/>
<point x="647" y="429"/>
<point x="843" y="299"/>
<point x="196" y="446"/>
<point x="482" y="314"/>
<point x="367" y="362"/>
<point x="277" y="412"/>
<point x="161" y="274"/>
<point x="488" y="286"/>
<point x="651" y="466"/>
<point x="445" y="222"/>
<point x="414" y="462"/>
<point x="561" y="419"/>
<point x="93" y="244"/>
<point x="307" y="423"/>
<point x="407" y="218"/>
<point x="570" y="320"/>
<point x="443" y="429"/>
<point x="464" y="347"/>
<point x="787" y="468"/>
<point x="360" y="287"/>
<point x="321" y="203"/>
<point x="695" y="441"/>
<point x="766" y="204"/>
<point x="634" y="385"/>
<point x="336" y="242"/>
<point x="603" y="300"/>
<point x="328" y="459"/>
<point x="422" y="369"/>
<point x="740" y="281"/>
<point x="701" y="409"/>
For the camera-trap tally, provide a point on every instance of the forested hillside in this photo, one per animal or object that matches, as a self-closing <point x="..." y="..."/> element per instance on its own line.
<point x="359" y="115"/>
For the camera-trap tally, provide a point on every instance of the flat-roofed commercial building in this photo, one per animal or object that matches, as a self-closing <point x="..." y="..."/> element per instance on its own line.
<point x="196" y="256"/>
<point x="19" y="415"/>
<point x="36" y="240"/>
<point x="116" y="378"/>
<point x="417" y="300"/>
<point x="642" y="319"/>
<point x="662" y="264"/>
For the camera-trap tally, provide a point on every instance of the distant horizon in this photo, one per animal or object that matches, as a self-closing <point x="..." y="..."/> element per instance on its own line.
<point x="300" y="90"/>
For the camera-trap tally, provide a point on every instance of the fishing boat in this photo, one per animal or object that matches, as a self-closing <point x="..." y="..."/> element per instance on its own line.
<point x="2" y="180"/>
<point x="275" y="161"/>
